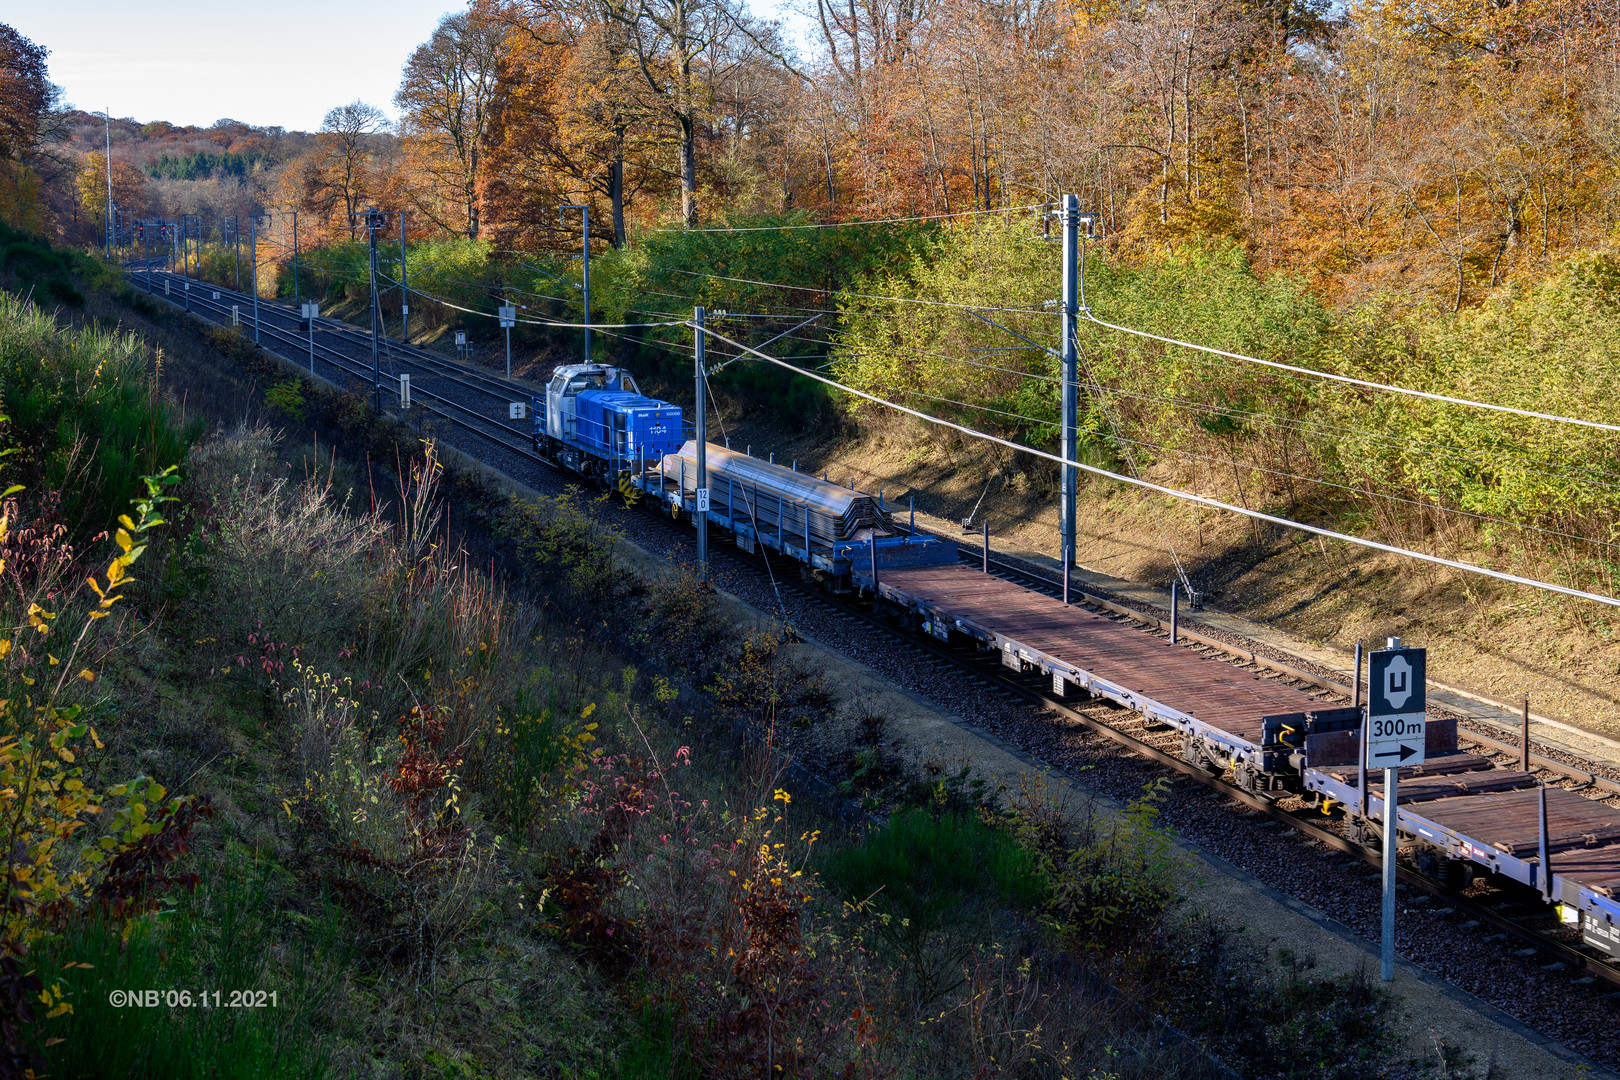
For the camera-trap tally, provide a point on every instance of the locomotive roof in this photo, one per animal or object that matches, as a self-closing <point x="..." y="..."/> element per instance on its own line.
<point x="626" y="399"/>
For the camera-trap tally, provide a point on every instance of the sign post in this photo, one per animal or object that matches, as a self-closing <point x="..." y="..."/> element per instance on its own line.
<point x="508" y="314"/>
<point x="1396" y="730"/>
<point x="308" y="312"/>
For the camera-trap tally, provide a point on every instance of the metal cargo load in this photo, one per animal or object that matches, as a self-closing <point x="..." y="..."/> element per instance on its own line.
<point x="774" y="501"/>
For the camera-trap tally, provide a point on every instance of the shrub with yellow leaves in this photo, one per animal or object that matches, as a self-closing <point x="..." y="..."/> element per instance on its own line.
<point x="52" y="875"/>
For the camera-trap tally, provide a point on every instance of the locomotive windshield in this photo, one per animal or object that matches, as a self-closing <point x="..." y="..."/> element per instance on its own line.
<point x="594" y="380"/>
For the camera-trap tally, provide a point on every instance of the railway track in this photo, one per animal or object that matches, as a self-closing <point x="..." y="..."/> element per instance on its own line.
<point x="1602" y="777"/>
<point x="465" y="399"/>
<point x="1139" y="739"/>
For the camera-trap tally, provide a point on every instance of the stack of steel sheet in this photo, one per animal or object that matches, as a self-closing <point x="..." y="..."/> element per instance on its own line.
<point x="774" y="500"/>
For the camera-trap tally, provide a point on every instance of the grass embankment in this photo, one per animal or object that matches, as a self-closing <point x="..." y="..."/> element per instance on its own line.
<point x="464" y="828"/>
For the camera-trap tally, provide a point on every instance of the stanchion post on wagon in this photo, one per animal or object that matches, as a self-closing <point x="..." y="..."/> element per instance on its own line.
<point x="1543" y="850"/>
<point x="1175" y="611"/>
<point x="1361" y="745"/>
<point x="1524" y="735"/>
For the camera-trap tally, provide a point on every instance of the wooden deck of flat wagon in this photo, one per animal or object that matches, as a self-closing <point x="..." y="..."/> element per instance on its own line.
<point x="1456" y="806"/>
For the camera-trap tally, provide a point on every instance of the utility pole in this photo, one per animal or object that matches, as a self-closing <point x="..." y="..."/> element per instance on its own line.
<point x="236" y="248"/>
<point x="295" y="256"/>
<point x="1070" y="374"/>
<point x="701" y="496"/>
<point x="107" y="118"/>
<point x="374" y="220"/>
<point x="404" y="287"/>
<point x="585" y="211"/>
<point x="253" y="255"/>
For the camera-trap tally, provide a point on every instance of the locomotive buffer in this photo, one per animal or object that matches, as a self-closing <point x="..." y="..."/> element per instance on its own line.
<point x="1396" y="731"/>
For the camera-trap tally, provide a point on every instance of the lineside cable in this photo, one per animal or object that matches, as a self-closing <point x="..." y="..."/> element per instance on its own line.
<point x="1353" y="381"/>
<point x="1202" y="500"/>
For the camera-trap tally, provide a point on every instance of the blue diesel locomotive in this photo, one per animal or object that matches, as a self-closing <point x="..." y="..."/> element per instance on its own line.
<point x="595" y="422"/>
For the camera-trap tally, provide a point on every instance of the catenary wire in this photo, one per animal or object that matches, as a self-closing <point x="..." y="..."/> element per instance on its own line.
<point x="1186" y="496"/>
<point x="1353" y="381"/>
<point x="869" y="221"/>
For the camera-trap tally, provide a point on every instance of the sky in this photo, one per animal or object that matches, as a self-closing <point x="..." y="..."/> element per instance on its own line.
<point x="192" y="62"/>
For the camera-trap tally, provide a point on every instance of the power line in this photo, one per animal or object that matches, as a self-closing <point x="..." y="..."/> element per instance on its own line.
<point x="1366" y="383"/>
<point x="542" y="322"/>
<point x="1203" y="500"/>
<point x="860" y="296"/>
<point x="869" y="221"/>
<point x="1265" y="469"/>
<point x="1457" y="453"/>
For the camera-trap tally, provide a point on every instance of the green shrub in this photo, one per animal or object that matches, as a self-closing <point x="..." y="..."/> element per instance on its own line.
<point x="287" y="398"/>
<point x="1110" y="885"/>
<point x="82" y="405"/>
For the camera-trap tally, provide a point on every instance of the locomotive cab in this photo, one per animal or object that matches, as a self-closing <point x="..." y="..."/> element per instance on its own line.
<point x="595" y="421"/>
<point x="567" y="383"/>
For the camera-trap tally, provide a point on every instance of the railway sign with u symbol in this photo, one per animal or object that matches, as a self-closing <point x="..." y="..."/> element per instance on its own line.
<point x="1396" y="705"/>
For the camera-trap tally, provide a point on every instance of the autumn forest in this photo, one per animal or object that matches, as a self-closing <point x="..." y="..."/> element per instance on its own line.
<point x="1413" y="193"/>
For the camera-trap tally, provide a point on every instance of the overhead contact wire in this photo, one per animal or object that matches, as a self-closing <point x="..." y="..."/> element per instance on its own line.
<point x="1203" y="500"/>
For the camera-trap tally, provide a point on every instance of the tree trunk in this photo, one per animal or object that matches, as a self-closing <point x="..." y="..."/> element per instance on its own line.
<point x="616" y="196"/>
<point x="688" y="169"/>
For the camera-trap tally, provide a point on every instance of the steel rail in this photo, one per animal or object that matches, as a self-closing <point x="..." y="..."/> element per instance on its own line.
<point x="458" y="374"/>
<point x="353" y="366"/>
<point x="345" y="335"/>
<point x="1053" y="587"/>
<point x="1020" y="688"/>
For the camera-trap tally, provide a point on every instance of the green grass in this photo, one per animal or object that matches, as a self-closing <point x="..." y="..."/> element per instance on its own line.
<point x="80" y="400"/>
<point x="921" y="867"/>
<point x="218" y="939"/>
